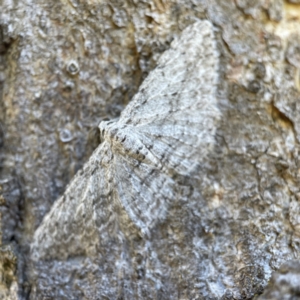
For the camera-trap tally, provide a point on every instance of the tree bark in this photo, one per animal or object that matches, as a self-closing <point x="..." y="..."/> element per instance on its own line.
<point x="67" y="65"/>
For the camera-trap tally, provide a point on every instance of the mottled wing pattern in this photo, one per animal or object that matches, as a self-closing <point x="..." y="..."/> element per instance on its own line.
<point x="174" y="117"/>
<point x="176" y="109"/>
<point x="161" y="138"/>
<point x="81" y="214"/>
<point x="144" y="191"/>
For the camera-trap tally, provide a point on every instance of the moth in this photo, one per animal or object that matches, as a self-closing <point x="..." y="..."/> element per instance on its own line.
<point x="159" y="141"/>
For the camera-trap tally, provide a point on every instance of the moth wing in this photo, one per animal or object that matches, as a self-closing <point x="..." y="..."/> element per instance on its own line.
<point x="77" y="218"/>
<point x="186" y="77"/>
<point x="144" y="191"/>
<point x="175" y="111"/>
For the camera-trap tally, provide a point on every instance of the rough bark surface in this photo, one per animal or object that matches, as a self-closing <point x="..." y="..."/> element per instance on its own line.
<point x="67" y="65"/>
<point x="284" y="283"/>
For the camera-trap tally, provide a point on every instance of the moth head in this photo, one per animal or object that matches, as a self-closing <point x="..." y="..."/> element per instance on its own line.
<point x="108" y="130"/>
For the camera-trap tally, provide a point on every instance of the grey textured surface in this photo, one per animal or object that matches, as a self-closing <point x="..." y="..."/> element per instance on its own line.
<point x="64" y="67"/>
<point x="148" y="160"/>
<point x="284" y="283"/>
<point x="86" y="60"/>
